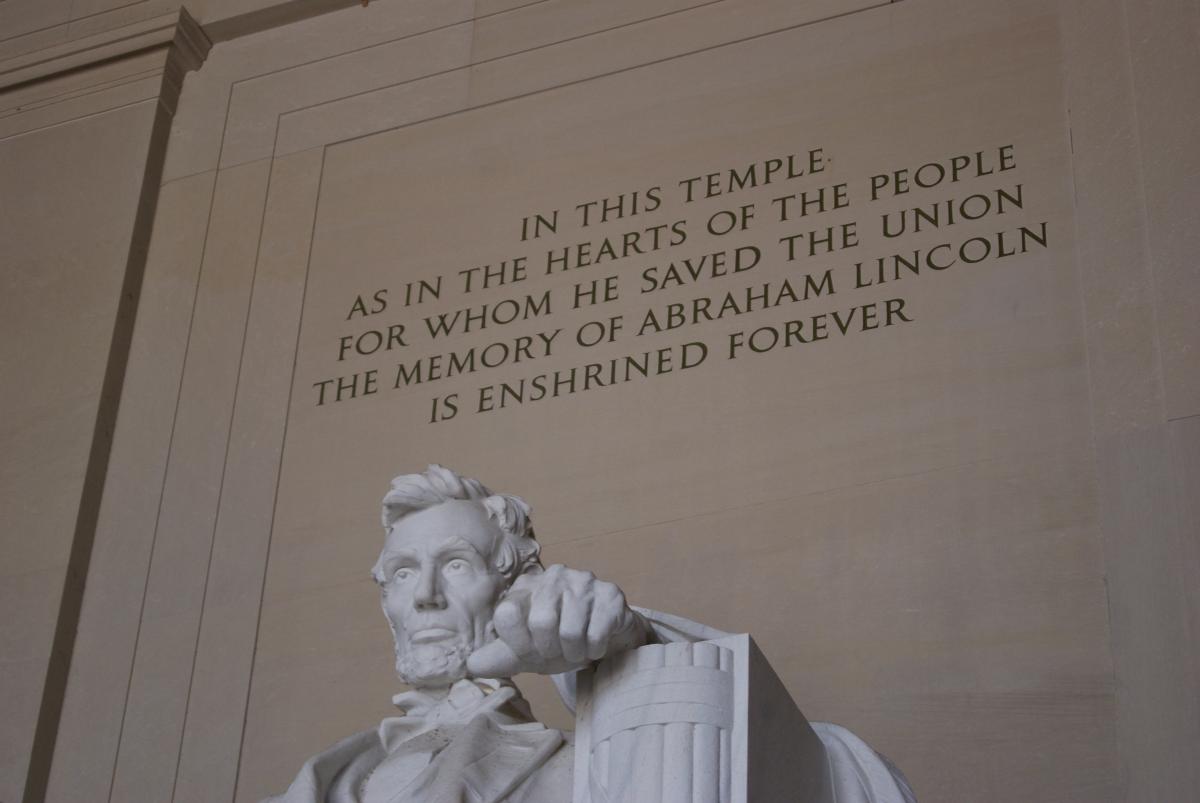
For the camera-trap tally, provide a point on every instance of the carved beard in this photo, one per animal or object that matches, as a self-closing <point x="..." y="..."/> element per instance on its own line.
<point x="441" y="663"/>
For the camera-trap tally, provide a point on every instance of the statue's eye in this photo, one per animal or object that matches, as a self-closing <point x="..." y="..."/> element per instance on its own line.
<point x="457" y="565"/>
<point x="403" y="573"/>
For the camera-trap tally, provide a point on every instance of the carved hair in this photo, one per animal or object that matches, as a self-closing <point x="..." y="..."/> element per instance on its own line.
<point x="517" y="552"/>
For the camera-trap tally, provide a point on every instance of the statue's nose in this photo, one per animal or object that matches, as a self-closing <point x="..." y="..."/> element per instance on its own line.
<point x="428" y="593"/>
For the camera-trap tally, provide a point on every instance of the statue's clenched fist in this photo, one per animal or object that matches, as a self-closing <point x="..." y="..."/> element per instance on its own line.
<point x="556" y="621"/>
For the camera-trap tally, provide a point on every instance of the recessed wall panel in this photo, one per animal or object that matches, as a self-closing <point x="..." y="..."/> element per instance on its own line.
<point x="783" y="335"/>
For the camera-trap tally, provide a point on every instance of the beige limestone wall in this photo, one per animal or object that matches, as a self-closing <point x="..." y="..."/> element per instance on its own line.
<point x="971" y="538"/>
<point x="82" y="135"/>
<point x="90" y="30"/>
<point x="67" y="209"/>
<point x="1136" y="195"/>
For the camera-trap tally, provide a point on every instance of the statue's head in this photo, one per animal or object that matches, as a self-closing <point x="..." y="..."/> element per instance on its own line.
<point x="452" y="549"/>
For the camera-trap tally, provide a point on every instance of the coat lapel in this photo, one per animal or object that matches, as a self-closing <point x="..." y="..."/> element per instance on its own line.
<point x="484" y="763"/>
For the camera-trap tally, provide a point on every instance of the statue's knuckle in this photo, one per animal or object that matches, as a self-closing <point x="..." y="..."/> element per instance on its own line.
<point x="542" y="620"/>
<point x="506" y="614"/>
<point x="614" y="595"/>
<point x="603" y="626"/>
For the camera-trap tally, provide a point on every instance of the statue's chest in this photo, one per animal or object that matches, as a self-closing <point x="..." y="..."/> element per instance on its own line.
<point x="479" y="762"/>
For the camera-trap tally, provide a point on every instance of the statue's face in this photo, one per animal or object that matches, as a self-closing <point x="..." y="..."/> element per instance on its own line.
<point x="440" y="589"/>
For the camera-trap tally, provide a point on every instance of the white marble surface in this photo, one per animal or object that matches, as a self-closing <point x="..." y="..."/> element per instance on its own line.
<point x="470" y="605"/>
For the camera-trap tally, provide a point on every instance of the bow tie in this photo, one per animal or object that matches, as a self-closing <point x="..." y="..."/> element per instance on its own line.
<point x="466" y="699"/>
